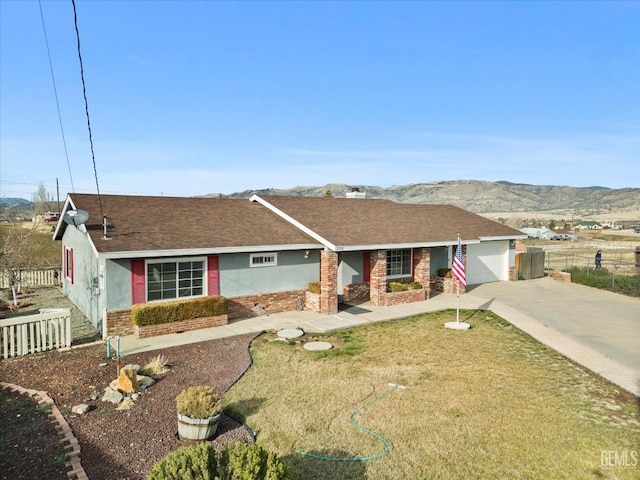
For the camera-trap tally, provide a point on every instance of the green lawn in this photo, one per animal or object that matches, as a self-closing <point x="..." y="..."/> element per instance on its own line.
<point x="485" y="403"/>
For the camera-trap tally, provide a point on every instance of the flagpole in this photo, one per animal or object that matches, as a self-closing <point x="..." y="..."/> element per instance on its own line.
<point x="459" y="276"/>
<point x="458" y="302"/>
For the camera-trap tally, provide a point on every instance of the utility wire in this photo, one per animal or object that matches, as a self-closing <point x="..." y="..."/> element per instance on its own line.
<point x="86" y="106"/>
<point x="55" y="92"/>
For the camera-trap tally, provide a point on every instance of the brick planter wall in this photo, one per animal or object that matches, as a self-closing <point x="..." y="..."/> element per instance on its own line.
<point x="119" y="323"/>
<point x="264" y="304"/>
<point x="445" y="285"/>
<point x="407" y="296"/>
<point x="356" y="292"/>
<point x="312" y="301"/>
<point x="182" y="326"/>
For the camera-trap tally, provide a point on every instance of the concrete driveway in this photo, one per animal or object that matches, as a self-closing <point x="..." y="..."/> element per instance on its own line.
<point x="596" y="328"/>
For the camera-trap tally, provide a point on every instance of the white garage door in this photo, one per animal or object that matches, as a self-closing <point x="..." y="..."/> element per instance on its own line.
<point x="487" y="262"/>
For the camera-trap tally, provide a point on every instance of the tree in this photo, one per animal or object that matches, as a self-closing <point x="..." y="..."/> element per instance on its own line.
<point x="14" y="252"/>
<point x="42" y="201"/>
<point x="552" y="224"/>
<point x="328" y="193"/>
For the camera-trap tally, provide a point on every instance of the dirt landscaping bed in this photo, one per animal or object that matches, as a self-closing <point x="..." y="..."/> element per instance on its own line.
<point x="114" y="444"/>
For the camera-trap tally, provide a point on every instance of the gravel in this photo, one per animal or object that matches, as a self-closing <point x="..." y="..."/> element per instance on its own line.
<point x="125" y="444"/>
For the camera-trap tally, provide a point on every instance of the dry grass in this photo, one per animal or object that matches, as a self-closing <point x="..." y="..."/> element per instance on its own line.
<point x="485" y="403"/>
<point x="159" y="365"/>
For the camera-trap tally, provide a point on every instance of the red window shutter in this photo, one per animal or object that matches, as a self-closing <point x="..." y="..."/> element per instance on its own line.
<point x="138" y="282"/>
<point x="366" y="266"/>
<point x="213" y="275"/>
<point x="72" y="265"/>
<point x="414" y="262"/>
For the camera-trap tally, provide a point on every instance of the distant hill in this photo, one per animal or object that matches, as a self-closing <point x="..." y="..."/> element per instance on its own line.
<point x="15" y="204"/>
<point x="486" y="197"/>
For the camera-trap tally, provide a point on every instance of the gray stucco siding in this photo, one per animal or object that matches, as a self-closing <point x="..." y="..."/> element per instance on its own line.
<point x="84" y="291"/>
<point x="439" y="258"/>
<point x="350" y="269"/>
<point x="292" y="272"/>
<point x="118" y="284"/>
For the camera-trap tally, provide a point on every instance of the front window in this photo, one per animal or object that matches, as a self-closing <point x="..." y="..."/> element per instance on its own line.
<point x="175" y="279"/>
<point x="398" y="263"/>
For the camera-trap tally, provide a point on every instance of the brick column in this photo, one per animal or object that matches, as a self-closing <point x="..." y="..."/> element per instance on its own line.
<point x="378" y="278"/>
<point x="422" y="266"/>
<point x="328" y="282"/>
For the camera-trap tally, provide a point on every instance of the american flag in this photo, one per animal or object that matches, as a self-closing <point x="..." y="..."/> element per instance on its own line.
<point x="458" y="266"/>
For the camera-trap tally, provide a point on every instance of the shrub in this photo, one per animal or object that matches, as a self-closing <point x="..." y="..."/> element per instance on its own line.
<point x="314" y="287"/>
<point x="415" y="285"/>
<point x="175" y="311"/>
<point x="398" y="287"/>
<point x="236" y="461"/>
<point x="239" y="461"/>
<point x="601" y="278"/>
<point x="198" y="402"/>
<point x="444" y="272"/>
<point x="197" y="462"/>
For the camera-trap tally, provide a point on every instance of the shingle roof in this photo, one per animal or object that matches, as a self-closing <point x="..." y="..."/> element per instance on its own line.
<point x="144" y="224"/>
<point x="346" y="221"/>
<point x="141" y="223"/>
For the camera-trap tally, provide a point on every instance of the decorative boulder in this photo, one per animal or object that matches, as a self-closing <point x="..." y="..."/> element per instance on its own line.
<point x="128" y="381"/>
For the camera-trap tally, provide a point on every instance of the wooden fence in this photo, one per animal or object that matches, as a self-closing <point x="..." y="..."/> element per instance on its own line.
<point x="530" y="264"/>
<point x="32" y="277"/>
<point x="48" y="330"/>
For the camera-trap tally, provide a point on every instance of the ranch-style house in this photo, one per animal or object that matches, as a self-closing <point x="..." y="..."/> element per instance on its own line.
<point x="262" y="253"/>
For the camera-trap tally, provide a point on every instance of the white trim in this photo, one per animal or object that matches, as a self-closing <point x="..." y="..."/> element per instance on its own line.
<point x="294" y="222"/>
<point x="175" y="260"/>
<point x="271" y="259"/>
<point x="206" y="251"/>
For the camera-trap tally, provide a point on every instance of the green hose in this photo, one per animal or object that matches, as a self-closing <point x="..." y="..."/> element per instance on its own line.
<point x="387" y="445"/>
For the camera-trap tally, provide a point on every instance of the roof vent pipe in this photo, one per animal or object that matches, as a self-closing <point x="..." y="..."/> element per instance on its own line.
<point x="104" y="228"/>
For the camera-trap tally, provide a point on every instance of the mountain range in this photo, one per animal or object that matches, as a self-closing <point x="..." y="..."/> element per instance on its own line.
<point x="480" y="197"/>
<point x="486" y="197"/>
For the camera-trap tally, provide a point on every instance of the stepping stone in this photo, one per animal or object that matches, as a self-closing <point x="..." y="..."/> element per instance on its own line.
<point x="290" y="333"/>
<point x="317" y="346"/>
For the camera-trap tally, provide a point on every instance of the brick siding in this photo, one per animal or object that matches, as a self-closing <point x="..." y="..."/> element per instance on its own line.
<point x="356" y="292"/>
<point x="264" y="304"/>
<point x="119" y="323"/>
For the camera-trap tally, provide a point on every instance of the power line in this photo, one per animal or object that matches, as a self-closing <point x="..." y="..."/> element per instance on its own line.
<point x="86" y="106"/>
<point x="55" y="92"/>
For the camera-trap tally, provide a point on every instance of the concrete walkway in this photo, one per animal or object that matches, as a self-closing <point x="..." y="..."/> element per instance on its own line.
<point x="597" y="329"/>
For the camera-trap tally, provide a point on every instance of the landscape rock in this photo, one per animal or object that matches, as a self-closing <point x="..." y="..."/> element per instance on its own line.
<point x="112" y="395"/>
<point x="145" y="382"/>
<point x="127" y="381"/>
<point x="80" y="409"/>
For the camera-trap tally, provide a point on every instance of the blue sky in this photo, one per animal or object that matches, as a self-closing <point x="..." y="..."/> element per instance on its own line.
<point x="188" y="98"/>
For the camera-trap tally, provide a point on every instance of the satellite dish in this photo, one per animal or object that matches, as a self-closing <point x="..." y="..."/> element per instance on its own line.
<point x="75" y="217"/>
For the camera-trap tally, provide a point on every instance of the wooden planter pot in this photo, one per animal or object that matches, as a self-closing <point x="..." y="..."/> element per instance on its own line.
<point x="197" y="428"/>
